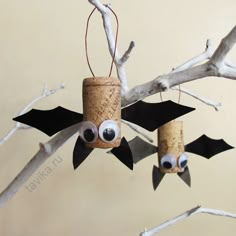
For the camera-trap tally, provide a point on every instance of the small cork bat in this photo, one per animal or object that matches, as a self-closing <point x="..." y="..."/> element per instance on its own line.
<point x="150" y="116"/>
<point x="202" y="146"/>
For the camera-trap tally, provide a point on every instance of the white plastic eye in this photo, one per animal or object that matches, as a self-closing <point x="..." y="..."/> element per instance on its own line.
<point x="168" y="161"/>
<point x="183" y="160"/>
<point x="109" y="131"/>
<point x="88" y="132"/>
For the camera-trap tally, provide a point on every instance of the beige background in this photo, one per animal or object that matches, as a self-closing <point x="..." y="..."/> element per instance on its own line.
<point x="43" y="41"/>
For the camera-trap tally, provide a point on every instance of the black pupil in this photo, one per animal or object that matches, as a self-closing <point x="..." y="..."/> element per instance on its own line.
<point x="167" y="165"/>
<point x="109" y="134"/>
<point x="89" y="135"/>
<point x="183" y="164"/>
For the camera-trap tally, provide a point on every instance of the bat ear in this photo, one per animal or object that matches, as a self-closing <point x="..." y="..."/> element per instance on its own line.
<point x="123" y="153"/>
<point x="157" y="177"/>
<point x="80" y="152"/>
<point x="50" y="121"/>
<point x="141" y="149"/>
<point x="207" y="147"/>
<point x="185" y="176"/>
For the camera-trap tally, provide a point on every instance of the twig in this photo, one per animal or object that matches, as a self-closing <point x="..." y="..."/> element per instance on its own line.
<point x="46" y="150"/>
<point x="137" y="130"/>
<point x="126" y="55"/>
<point x="215" y="66"/>
<point x="119" y="61"/>
<point x="197" y="59"/>
<point x="192" y="62"/>
<point x="45" y="93"/>
<point x="195" y="210"/>
<point x="206" y="101"/>
<point x="221" y="52"/>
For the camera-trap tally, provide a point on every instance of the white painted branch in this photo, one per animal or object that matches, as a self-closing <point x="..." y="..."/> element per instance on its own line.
<point x="164" y="82"/>
<point x="197" y="59"/>
<point x="126" y="55"/>
<point x="185" y="215"/>
<point x="216" y="66"/>
<point x="46" y="150"/>
<point x="137" y="129"/>
<point x="206" y="101"/>
<point x="99" y="6"/>
<point x="8" y="135"/>
<point x="45" y="93"/>
<point x="230" y="64"/>
<point x="225" y="46"/>
<point x="193" y="62"/>
<point x="227" y="72"/>
<point x="119" y="61"/>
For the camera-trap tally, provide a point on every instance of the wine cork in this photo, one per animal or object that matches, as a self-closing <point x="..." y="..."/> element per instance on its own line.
<point x="170" y="141"/>
<point x="102" y="101"/>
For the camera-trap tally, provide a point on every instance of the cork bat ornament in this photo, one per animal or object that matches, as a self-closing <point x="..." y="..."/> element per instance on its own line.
<point x="100" y="123"/>
<point x="171" y="151"/>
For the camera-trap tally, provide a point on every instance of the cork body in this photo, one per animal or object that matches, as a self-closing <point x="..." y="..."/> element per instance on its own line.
<point x="102" y="101"/>
<point x="171" y="141"/>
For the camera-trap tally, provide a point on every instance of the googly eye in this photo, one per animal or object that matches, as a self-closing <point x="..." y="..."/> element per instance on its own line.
<point x="88" y="132"/>
<point x="168" y="161"/>
<point x="109" y="131"/>
<point x="183" y="160"/>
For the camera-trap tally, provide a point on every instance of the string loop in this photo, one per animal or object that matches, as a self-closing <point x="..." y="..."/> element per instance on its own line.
<point x="178" y="97"/>
<point x="116" y="39"/>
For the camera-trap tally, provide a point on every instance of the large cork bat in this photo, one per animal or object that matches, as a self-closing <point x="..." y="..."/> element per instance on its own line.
<point x="100" y="122"/>
<point x="172" y="157"/>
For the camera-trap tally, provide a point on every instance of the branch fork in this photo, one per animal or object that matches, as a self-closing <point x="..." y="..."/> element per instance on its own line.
<point x="193" y="211"/>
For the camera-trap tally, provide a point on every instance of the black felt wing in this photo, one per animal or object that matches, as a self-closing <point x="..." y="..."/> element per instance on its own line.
<point x="207" y="147"/>
<point x="50" y="121"/>
<point x="141" y="149"/>
<point x="151" y="116"/>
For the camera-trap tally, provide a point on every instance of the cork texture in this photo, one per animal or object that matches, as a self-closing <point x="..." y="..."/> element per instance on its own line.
<point x="171" y="141"/>
<point x="102" y="101"/>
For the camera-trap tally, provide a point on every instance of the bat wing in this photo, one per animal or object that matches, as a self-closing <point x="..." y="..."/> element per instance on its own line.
<point x="207" y="147"/>
<point x="80" y="152"/>
<point x="123" y="153"/>
<point x="50" y="121"/>
<point x="141" y="149"/>
<point x="151" y="116"/>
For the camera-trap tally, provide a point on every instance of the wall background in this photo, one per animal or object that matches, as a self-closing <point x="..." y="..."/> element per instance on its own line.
<point x="43" y="42"/>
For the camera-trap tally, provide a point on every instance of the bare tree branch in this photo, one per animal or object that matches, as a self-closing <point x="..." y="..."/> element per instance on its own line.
<point x="195" y="210"/>
<point x="197" y="59"/>
<point x="119" y="61"/>
<point x="137" y="129"/>
<point x="206" y="101"/>
<point x="45" y="93"/>
<point x="215" y="66"/>
<point x="46" y="150"/>
<point x="126" y="55"/>
<point x="225" y="46"/>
